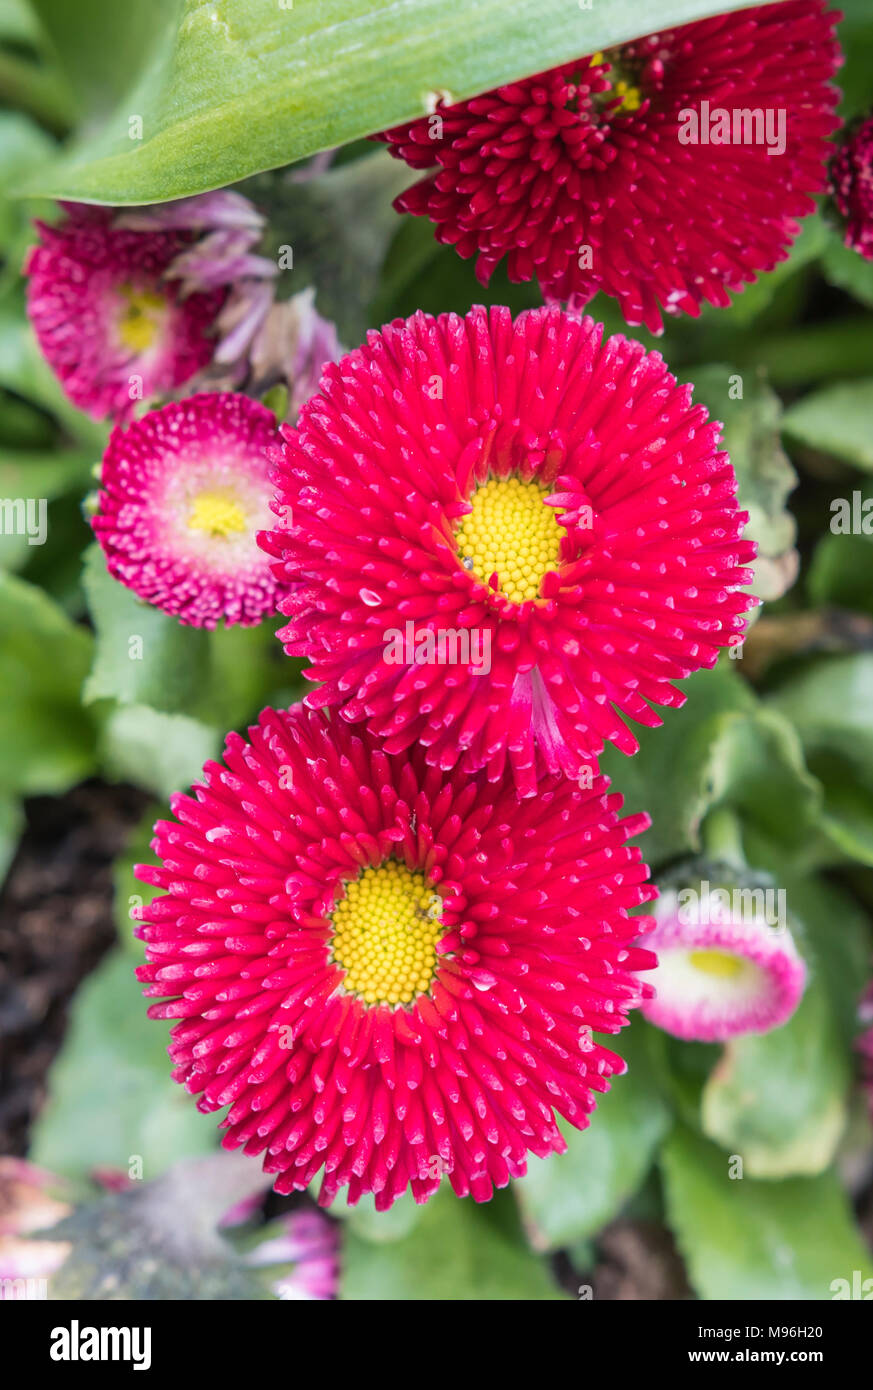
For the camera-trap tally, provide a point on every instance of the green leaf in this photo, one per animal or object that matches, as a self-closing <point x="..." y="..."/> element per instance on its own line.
<point x="744" y="1239"/>
<point x="830" y="703"/>
<point x="47" y="741"/>
<point x="722" y="747"/>
<point x="142" y="656"/>
<point x="570" y="1196"/>
<point x="780" y="1100"/>
<point x="24" y="371"/>
<point x="847" y="270"/>
<point x="455" y="1252"/>
<point x="110" y="1094"/>
<point x="163" y="753"/>
<point x="764" y="475"/>
<point x="237" y="86"/>
<point x="841" y="571"/>
<point x="837" y="420"/>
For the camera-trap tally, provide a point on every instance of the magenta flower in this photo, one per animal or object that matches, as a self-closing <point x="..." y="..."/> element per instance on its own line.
<point x="387" y="973"/>
<point x="502" y="539"/>
<point x="852" y="186"/>
<point x="665" y="172"/>
<point x="726" y="965"/>
<point x="184" y="492"/>
<point x="112" y="324"/>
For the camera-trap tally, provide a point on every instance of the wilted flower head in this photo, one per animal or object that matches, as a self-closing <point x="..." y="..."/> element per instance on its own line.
<point x="184" y="491"/>
<point x="664" y="172"/>
<point x="727" y="962"/>
<point x="504" y="539"/>
<point x="112" y="322"/>
<point x="31" y="1200"/>
<point x="388" y="973"/>
<point x="852" y="185"/>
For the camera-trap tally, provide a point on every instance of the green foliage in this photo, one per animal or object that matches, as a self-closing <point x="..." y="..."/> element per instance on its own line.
<point x="233" y="86"/>
<point x="748" y="1240"/>
<point x="110" y="1098"/>
<point x="836" y="421"/>
<point x="567" y="1198"/>
<point x="453" y="1253"/>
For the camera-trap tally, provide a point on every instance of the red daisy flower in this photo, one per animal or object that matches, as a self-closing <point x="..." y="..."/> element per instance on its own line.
<point x="852" y="184"/>
<point x="113" y="327"/>
<point x="184" y="492"/>
<point x="389" y="973"/>
<point x="505" y="537"/>
<point x="613" y="172"/>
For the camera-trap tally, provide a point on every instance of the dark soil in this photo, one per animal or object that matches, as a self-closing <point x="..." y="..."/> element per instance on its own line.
<point x="55" y="924"/>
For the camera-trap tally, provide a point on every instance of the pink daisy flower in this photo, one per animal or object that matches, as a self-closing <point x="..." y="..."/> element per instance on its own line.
<point x="724" y="967"/>
<point x="506" y="538"/>
<point x="184" y="491"/>
<point x="389" y="973"/>
<point x="111" y="324"/>
<point x="594" y="176"/>
<point x="852" y="186"/>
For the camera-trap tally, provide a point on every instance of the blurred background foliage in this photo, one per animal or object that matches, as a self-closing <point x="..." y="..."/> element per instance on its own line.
<point x="779" y="736"/>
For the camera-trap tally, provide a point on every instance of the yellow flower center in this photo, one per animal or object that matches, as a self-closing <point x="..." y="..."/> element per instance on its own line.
<point x="511" y="533"/>
<point x="718" y="963"/>
<point x="142" y="318"/>
<point x="631" y="96"/>
<point x="218" y="513"/>
<point x="385" y="932"/>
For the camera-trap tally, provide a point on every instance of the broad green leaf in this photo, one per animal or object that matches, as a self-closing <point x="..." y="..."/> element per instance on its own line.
<point x="146" y="657"/>
<point x="841" y="572"/>
<point x="570" y="1196"/>
<point x="847" y="270"/>
<point x="750" y="413"/>
<point x="722" y="747"/>
<point x="141" y="655"/>
<point x="239" y="86"/>
<point x="162" y="753"/>
<point x="110" y="1094"/>
<point x="47" y="741"/>
<point x="830" y="703"/>
<point x="454" y="1253"/>
<point x="837" y="420"/>
<point x="780" y="1100"/>
<point x="745" y="1239"/>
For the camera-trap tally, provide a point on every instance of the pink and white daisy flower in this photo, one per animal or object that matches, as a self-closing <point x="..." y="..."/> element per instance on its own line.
<point x="184" y="491"/>
<point x="724" y="969"/>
